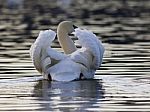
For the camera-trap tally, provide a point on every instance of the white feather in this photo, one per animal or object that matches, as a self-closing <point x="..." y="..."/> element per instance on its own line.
<point x="68" y="67"/>
<point x="38" y="49"/>
<point x="55" y="54"/>
<point x="93" y="45"/>
<point x="65" y="70"/>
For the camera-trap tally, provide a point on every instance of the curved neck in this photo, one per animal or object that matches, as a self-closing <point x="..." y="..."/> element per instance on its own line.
<point x="65" y="41"/>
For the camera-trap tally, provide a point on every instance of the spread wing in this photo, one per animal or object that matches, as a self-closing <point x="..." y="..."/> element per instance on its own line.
<point x="92" y="45"/>
<point x="41" y="53"/>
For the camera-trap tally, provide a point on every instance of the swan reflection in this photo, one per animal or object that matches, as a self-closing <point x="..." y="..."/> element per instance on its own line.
<point x="66" y="96"/>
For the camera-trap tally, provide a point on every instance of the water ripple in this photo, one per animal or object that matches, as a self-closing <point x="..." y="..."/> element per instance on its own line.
<point x="120" y="85"/>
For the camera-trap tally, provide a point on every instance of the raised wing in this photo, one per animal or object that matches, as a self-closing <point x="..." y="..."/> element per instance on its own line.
<point x="92" y="44"/>
<point x="38" y="50"/>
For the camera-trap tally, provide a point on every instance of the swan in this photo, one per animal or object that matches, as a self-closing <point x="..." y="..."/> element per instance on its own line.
<point x="74" y="63"/>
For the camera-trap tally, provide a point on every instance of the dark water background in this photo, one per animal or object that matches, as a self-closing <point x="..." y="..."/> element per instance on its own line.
<point x="122" y="83"/>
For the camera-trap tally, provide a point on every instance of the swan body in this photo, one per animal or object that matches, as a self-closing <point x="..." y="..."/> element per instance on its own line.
<point x="74" y="63"/>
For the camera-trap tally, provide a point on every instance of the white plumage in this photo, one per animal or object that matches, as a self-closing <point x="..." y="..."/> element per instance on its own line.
<point x="64" y="66"/>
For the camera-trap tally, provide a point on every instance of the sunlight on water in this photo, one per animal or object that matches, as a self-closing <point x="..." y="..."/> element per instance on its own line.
<point x="121" y="84"/>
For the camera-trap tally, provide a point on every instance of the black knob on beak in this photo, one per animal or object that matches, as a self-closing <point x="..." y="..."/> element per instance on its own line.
<point x="75" y="27"/>
<point x="56" y="37"/>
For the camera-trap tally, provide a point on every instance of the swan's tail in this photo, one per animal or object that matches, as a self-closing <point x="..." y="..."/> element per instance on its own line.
<point x="38" y="49"/>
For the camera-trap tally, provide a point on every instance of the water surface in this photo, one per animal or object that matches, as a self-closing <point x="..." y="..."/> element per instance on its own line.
<point x="121" y="84"/>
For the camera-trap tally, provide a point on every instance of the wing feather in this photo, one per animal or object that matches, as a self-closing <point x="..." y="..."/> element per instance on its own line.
<point x="55" y="54"/>
<point x="39" y="47"/>
<point x="89" y="41"/>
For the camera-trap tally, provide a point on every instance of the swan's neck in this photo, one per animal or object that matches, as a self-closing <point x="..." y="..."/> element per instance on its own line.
<point x="65" y="41"/>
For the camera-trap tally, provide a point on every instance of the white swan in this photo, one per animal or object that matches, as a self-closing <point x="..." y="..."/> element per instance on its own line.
<point x="73" y="63"/>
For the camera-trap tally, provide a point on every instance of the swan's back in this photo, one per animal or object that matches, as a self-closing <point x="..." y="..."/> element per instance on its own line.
<point x="38" y="49"/>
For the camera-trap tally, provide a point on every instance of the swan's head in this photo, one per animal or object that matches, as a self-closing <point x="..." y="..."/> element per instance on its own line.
<point x="67" y="26"/>
<point x="64" y="30"/>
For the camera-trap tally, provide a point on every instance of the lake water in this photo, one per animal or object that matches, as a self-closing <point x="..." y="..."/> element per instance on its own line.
<point x="122" y="84"/>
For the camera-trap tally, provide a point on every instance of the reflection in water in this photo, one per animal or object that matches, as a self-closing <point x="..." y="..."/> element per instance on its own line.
<point x="112" y="93"/>
<point x="67" y="96"/>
